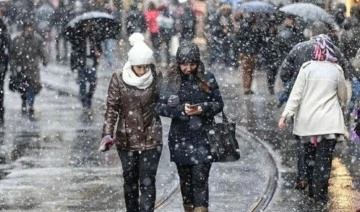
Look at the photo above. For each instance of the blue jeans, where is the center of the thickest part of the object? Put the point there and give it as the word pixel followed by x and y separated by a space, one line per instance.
pixel 87 82
pixel 28 97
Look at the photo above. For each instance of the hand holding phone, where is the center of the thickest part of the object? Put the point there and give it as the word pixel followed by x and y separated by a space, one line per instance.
pixel 194 109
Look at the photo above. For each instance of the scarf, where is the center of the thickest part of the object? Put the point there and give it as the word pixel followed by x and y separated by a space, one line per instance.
pixel 324 49
pixel 130 78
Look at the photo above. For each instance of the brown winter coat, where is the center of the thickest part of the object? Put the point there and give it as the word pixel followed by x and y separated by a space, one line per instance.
pixel 25 56
pixel 138 127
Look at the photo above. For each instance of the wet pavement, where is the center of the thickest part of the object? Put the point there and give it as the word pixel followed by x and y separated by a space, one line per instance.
pixel 52 164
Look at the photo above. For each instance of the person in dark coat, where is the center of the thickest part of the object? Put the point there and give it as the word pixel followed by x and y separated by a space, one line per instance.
pixel 59 19
pixel 85 52
pixel 187 24
pixel 290 33
pixel 190 96
pixel 132 124
pixel 135 21
pixel 248 42
pixel 271 54
pixel 302 53
pixel 26 53
pixel 222 31
pixel 166 23
pixel 4 61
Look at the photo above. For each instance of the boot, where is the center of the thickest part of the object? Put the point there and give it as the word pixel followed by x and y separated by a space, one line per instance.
pixel 32 114
pixel 201 209
pixel 2 117
pixel 188 208
pixel 23 108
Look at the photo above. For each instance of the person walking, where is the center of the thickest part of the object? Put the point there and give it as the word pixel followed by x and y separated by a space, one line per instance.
pixel 85 52
pixel 150 16
pixel 317 102
pixel 132 94
pixel 248 41
pixel 26 53
pixel 191 97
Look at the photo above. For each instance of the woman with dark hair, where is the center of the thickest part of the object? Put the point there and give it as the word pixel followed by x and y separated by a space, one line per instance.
pixel 191 97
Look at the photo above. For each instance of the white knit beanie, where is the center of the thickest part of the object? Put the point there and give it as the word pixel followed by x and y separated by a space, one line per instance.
pixel 140 53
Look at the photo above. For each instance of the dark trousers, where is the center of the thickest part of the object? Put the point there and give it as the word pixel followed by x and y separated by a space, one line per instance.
pixel 28 98
pixel 87 82
pixel 314 166
pixel 271 76
pixel 155 41
pixel 194 183
pixel 139 170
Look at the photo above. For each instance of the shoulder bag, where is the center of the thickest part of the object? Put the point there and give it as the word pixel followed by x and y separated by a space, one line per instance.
pixel 223 144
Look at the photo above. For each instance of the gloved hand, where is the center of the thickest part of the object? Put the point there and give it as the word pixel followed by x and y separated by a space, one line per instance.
pixel 173 100
pixel 106 142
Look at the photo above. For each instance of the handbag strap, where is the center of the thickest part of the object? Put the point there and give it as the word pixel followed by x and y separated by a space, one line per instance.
pixel 224 117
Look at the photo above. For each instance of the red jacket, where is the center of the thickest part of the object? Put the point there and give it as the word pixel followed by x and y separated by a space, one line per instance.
pixel 151 16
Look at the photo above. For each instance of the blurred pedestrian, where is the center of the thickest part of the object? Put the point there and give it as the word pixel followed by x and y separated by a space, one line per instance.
pixel 271 53
pixel 190 96
pixel 27 50
pixel 59 20
pixel 290 33
pixel 317 102
pixel 222 33
pixel 132 94
pixel 85 52
pixel 135 21
pixel 166 23
pixel 338 12
pixel 151 15
pixel 248 41
pixel 187 24
pixel 4 61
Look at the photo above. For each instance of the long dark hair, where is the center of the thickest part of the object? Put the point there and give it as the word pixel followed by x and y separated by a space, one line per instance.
pixel 173 78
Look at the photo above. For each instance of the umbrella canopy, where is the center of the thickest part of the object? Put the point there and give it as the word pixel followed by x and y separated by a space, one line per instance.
pixel 309 12
pixel 104 26
pixel 255 7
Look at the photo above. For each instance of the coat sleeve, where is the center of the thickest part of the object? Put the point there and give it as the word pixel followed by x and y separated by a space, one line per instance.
pixel 287 67
pixel 112 106
pixel 215 103
pixel 342 91
pixel 162 107
pixel 295 95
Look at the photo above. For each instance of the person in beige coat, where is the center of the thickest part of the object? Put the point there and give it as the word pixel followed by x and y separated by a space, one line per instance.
pixel 317 103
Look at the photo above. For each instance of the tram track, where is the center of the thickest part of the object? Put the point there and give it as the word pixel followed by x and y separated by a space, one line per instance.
pixel 264 199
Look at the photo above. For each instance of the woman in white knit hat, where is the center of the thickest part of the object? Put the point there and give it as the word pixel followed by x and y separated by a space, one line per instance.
pixel 130 123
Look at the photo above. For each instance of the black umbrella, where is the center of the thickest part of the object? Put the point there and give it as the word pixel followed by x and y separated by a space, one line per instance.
pixel 309 12
pixel 255 7
pixel 103 25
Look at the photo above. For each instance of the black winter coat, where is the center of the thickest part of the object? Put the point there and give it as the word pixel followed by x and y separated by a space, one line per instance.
pixel 188 143
pixel 79 54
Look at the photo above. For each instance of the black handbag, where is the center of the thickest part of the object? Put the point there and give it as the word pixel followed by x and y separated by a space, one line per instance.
pixel 223 144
